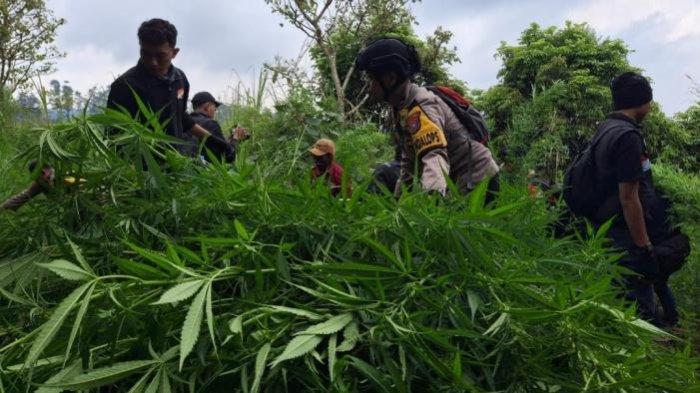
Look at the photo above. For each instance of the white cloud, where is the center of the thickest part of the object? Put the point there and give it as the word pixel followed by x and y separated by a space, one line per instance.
pixel 88 66
pixel 672 20
pixel 686 26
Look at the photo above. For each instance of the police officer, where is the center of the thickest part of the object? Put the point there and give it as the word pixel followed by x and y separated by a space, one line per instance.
pixel 161 86
pixel 205 105
pixel 431 137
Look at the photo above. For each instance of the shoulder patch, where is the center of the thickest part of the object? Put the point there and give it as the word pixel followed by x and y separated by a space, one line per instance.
pixel 413 123
pixel 425 135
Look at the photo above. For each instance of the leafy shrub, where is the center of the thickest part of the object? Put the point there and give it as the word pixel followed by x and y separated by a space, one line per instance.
pixel 159 273
pixel 682 189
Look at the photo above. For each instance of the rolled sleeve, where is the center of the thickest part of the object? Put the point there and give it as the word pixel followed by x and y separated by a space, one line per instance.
pixel 431 145
pixel 435 166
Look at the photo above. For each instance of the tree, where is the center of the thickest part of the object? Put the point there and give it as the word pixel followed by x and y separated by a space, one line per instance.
pixel 340 29
pixel 28 102
pixel 436 55
pixel 328 21
pixel 544 56
pixel 27 34
pixel 434 52
pixel 685 151
pixel 97 99
pixel 553 89
pixel 62 98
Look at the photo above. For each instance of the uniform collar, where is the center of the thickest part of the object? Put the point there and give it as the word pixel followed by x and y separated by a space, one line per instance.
pixel 410 96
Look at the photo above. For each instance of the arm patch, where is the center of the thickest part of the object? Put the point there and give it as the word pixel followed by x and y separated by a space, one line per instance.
pixel 425 135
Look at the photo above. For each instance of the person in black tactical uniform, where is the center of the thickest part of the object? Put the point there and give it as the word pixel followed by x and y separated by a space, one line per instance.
pixel 623 170
pixel 204 107
pixel 432 138
pixel 162 87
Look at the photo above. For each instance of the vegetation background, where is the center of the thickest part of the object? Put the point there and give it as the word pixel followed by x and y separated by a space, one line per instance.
pixel 160 274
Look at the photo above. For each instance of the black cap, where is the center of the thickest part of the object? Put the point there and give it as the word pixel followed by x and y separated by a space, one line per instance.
pixel 389 54
pixel 630 90
pixel 202 98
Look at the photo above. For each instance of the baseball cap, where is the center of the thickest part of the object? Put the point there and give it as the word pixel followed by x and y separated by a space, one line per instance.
pixel 323 147
pixel 204 97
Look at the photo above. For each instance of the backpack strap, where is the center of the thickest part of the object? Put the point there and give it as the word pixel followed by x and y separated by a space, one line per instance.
pixel 599 136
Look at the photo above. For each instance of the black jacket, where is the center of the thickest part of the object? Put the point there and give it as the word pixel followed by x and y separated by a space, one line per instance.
pixel 167 94
pixel 216 143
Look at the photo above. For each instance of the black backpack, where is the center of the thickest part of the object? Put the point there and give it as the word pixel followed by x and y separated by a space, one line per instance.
pixel 469 116
pixel 582 192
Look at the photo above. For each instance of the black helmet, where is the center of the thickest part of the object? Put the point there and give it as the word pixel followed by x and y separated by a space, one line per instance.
pixel 389 54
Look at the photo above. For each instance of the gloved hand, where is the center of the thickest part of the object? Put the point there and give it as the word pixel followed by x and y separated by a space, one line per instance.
pixel 646 263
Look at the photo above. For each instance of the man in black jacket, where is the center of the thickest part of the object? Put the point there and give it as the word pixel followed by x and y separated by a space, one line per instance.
pixel 161 86
pixel 205 106
pixel 624 174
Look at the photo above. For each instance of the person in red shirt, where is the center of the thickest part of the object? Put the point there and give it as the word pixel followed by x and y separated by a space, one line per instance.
pixel 326 168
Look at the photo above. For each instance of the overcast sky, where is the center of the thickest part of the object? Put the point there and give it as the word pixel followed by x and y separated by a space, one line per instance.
pixel 224 41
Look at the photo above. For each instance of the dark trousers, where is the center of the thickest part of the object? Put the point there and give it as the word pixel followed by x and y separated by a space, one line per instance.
pixel 641 290
pixel 667 301
pixel 492 190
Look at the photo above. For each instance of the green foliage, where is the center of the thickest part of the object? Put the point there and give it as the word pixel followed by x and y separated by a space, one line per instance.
pixel 340 29
pixel 8 110
pixel 554 89
pixel 13 171
pixel 381 18
pixel 300 291
pixel 684 149
pixel 498 103
pixel 544 56
pixel 362 148
pixel 285 136
pixel 682 190
pixel 27 35
pixel 554 81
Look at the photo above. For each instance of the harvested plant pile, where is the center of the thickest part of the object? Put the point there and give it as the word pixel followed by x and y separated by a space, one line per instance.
pixel 159 274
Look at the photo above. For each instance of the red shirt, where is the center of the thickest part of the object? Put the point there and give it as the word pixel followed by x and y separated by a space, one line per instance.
pixel 333 177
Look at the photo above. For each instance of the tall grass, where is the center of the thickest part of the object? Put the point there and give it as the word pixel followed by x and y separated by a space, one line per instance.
pixel 159 274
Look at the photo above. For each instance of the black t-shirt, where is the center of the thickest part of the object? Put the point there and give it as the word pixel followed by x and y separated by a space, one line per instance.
pixel 628 155
pixel 165 94
pixel 621 157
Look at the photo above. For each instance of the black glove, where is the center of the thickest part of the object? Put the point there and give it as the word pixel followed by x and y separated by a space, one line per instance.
pixel 646 262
